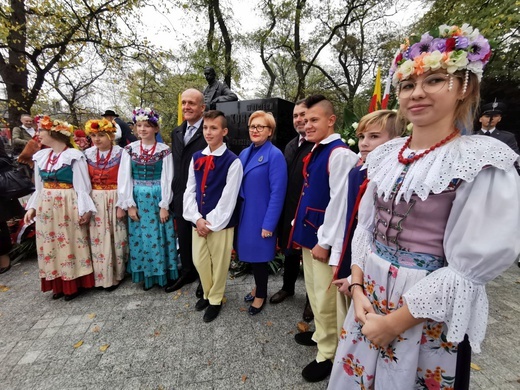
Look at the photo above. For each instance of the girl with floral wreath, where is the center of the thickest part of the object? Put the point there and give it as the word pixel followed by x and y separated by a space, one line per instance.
pixel 108 233
pixel 420 255
pixel 145 190
pixel 62 206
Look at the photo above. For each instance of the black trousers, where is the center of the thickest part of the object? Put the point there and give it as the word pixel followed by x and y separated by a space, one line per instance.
pixel 463 370
pixel 261 273
pixel 184 234
pixel 291 271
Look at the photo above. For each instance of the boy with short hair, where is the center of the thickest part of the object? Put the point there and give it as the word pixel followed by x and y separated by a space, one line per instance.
pixel 215 175
pixel 374 129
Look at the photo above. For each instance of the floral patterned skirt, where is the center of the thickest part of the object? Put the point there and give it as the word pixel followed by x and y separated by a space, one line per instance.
pixel 108 240
pixel 420 358
pixel 153 247
pixel 62 244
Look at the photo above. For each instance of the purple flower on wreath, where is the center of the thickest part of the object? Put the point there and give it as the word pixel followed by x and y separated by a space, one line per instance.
pixel 423 46
pixel 461 42
pixel 145 114
pixel 478 49
pixel 439 44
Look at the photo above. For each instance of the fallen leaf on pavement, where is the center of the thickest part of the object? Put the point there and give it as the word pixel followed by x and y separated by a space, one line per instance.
pixel 78 344
pixel 224 299
pixel 92 316
pixel 475 367
pixel 156 333
pixel 269 323
pixel 242 309
pixel 104 347
pixel 244 378
pixel 302 327
pixel 96 329
pixel 4 288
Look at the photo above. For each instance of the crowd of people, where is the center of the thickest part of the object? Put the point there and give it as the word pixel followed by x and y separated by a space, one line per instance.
pixel 398 229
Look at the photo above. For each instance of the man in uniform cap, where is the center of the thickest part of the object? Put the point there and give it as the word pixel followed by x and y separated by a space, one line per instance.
pixel 124 134
pixel 491 115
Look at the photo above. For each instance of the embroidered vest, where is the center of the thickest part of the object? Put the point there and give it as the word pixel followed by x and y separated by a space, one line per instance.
pixel 210 175
pixel 315 196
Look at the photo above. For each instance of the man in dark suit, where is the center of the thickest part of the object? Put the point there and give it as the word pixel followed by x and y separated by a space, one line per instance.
pixel 294 153
pixel 186 140
pixel 216 91
pixel 491 116
pixel 125 132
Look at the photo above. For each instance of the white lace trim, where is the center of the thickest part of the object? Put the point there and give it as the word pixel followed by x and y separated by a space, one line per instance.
pixel 463 158
pixel 91 153
pixel 361 241
pixel 85 203
pixel 66 157
pixel 446 296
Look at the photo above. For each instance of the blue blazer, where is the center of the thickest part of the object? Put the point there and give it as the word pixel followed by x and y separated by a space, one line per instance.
pixel 262 195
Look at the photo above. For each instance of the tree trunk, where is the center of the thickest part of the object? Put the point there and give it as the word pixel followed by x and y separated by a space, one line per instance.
pixel 14 72
pixel 300 91
pixel 227 42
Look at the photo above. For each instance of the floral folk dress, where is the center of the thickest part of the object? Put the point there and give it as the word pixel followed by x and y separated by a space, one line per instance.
pixel 108 234
pixel 145 181
pixel 62 195
pixel 421 241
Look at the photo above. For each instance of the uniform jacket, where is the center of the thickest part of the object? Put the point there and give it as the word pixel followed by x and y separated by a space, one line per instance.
pixel 262 196
pixel 181 161
pixel 506 137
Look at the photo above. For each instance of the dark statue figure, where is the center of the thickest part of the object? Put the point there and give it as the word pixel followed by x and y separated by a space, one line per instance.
pixel 216 91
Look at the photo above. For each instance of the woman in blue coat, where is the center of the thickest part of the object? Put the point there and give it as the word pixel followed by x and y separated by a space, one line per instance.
pixel 262 192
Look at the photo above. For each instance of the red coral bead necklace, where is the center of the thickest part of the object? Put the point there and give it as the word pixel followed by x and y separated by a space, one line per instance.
pixel 407 161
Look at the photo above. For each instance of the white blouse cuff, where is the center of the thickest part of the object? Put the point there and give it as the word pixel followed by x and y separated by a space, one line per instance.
pixel 126 204
pixel 85 203
pixel 447 296
pixel 164 205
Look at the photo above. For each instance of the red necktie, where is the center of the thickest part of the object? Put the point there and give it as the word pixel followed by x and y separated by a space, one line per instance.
pixel 209 164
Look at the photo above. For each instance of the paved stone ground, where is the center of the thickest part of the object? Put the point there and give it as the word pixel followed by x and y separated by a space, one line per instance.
pixel 158 341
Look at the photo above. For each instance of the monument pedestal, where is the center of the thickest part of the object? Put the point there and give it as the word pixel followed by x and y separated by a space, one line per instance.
pixel 238 113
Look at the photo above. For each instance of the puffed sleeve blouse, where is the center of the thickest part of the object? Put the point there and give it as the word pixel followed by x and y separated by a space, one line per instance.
pixel 481 236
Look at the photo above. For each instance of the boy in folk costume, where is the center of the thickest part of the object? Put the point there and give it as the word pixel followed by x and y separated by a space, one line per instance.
pixel 318 222
pixel 214 180
pixel 374 129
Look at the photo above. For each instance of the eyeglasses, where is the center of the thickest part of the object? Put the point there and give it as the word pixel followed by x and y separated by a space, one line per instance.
pixel 430 84
pixel 258 128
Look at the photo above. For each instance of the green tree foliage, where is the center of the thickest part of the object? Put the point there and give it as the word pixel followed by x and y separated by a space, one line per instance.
pixel 157 86
pixel 40 36
pixel 497 20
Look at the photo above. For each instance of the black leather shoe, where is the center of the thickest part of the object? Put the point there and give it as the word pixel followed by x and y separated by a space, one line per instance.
pixel 199 293
pixel 280 296
pixel 57 296
pixel 211 313
pixel 71 296
pixel 179 283
pixel 201 304
pixel 3 270
pixel 308 315
pixel 147 288
pixel 249 298
pixel 255 310
pixel 305 338
pixel 113 287
pixel 316 372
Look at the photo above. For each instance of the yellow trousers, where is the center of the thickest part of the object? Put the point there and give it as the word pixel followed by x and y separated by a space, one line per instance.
pixel 211 257
pixel 322 297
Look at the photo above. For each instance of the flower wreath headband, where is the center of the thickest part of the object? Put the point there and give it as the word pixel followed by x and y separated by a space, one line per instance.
pixel 46 123
pixel 146 114
pixel 99 126
pixel 449 47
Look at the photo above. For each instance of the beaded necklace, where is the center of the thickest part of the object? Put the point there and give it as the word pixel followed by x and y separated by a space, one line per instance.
pixel 106 160
pixel 406 161
pixel 147 154
pixel 53 160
